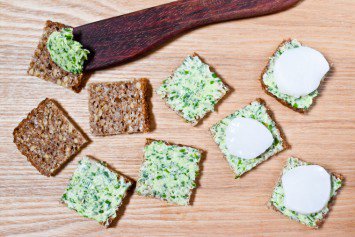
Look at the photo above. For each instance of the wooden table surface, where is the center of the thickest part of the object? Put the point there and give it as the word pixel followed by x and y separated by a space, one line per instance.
pixel 29 202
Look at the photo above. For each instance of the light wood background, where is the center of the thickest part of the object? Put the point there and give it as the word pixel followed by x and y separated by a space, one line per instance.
pixel 223 206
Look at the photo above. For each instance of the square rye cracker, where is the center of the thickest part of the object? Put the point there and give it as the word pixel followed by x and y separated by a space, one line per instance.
pixel 169 171
pixel 119 107
pixel 255 110
pixel 48 137
pixel 269 85
pixel 193 90
pixel 313 220
pixel 96 191
pixel 42 66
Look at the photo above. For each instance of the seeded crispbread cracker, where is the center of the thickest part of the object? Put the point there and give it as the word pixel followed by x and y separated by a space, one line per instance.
pixel 119 107
pixel 169 171
pixel 96 191
pixel 302 104
pixel 255 110
pixel 314 220
pixel 42 66
pixel 48 137
pixel 193 90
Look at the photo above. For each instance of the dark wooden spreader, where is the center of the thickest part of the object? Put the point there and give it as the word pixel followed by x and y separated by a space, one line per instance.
pixel 119 39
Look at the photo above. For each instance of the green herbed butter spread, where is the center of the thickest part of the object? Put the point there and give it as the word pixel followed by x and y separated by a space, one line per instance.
pixel 256 111
pixel 193 90
pixel 303 102
pixel 66 52
pixel 95 192
pixel 310 219
pixel 168 172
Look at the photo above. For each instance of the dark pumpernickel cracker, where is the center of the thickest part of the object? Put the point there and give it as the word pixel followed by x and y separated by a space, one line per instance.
pixel 119 107
pixel 42 66
pixel 48 137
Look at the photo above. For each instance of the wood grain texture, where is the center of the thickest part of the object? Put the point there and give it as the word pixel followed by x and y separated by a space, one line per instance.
pixel 29 202
pixel 118 39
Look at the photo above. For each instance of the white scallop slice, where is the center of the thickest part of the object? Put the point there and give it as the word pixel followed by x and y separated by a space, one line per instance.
pixel 307 189
pixel 299 71
pixel 247 138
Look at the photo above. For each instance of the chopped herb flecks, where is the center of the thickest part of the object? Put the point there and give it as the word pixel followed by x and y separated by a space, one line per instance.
pixel 66 52
pixel 193 90
pixel 168 172
pixel 95 192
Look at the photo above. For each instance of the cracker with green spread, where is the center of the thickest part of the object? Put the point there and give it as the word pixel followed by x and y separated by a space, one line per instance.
pixel 258 111
pixel 168 171
pixel 96 191
pixel 193 90
pixel 313 220
pixel 301 104
pixel 59 58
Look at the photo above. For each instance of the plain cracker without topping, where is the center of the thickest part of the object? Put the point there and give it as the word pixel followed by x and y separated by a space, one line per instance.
pixel 48 137
pixel 119 107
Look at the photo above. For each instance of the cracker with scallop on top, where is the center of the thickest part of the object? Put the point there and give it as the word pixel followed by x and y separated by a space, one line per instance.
pixel 258 112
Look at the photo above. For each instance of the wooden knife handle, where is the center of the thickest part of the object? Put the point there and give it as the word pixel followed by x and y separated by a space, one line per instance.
pixel 121 38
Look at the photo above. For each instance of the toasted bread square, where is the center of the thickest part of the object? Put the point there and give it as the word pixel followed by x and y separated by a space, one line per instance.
pixel 168 171
pixel 96 191
pixel 48 137
pixel 119 107
pixel 301 104
pixel 42 66
pixel 193 90
pixel 314 220
pixel 256 110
